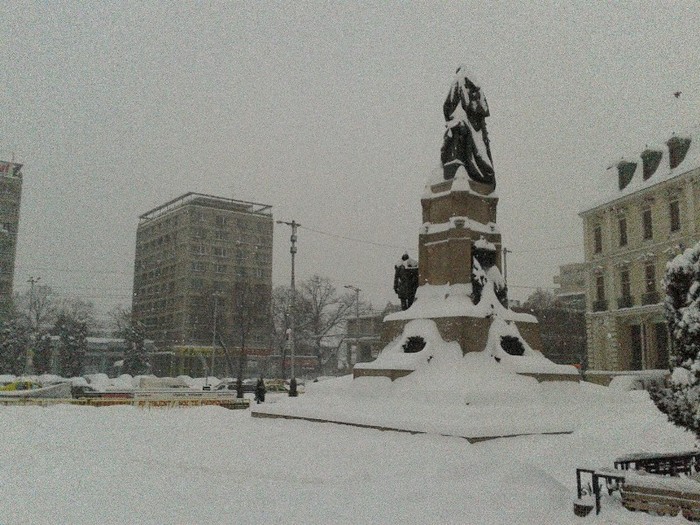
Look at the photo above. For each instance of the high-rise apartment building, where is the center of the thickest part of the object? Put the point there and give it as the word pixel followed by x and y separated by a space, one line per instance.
pixel 203 265
pixel 10 198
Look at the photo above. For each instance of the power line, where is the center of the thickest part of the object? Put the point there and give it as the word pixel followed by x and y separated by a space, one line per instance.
pixel 551 249
pixel 362 241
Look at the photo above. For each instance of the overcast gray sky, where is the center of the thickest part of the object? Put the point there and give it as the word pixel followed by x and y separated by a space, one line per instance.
pixel 329 111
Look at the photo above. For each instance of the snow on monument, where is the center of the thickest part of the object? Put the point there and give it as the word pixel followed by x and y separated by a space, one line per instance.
pixel 461 290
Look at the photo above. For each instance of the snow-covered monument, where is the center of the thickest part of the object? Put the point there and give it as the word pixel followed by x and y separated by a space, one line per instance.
pixel 461 289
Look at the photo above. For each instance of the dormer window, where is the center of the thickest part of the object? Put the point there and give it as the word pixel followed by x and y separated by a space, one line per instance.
pixel 677 150
pixel 625 172
pixel 650 162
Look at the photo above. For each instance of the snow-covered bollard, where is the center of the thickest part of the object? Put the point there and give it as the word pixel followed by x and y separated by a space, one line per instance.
pixel 583 506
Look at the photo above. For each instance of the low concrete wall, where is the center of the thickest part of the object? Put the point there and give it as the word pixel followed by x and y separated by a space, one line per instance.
pixel 392 374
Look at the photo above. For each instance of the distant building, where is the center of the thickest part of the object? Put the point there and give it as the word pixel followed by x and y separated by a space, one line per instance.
pixel 200 258
pixel 649 213
pixel 572 286
pixel 104 355
pixel 363 335
pixel 10 198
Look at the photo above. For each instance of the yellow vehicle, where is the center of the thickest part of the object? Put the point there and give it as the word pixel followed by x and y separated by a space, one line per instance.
pixel 19 385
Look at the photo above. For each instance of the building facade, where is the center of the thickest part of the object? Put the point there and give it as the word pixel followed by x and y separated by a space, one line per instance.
pixel 648 215
pixel 363 339
pixel 203 284
pixel 10 198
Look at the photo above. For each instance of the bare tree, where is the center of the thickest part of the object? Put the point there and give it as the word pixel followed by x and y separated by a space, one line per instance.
pixel 76 308
pixel 320 313
pixel 40 306
pixel 119 319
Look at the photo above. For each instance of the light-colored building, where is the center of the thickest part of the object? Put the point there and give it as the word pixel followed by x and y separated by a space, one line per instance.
pixel 649 212
pixel 10 198
pixel 200 258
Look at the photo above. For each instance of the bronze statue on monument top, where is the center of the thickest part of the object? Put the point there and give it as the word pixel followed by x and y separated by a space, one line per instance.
pixel 466 140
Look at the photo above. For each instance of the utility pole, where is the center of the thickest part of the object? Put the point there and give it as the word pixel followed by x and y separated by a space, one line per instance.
pixel 293 250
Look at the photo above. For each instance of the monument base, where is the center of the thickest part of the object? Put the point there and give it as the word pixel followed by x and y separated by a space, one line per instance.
pixel 444 316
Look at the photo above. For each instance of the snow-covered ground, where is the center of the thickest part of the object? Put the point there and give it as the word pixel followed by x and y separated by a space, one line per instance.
pixel 86 465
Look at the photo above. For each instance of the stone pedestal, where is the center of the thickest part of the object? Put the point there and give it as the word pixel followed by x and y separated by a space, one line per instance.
pixel 456 214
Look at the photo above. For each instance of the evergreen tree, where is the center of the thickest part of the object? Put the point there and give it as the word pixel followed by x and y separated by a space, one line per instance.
pixel 72 335
pixel 43 350
pixel 14 342
pixel 679 400
pixel 135 358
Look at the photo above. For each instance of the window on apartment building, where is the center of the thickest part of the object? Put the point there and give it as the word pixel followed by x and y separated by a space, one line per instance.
pixel 625 288
pixel 674 212
pixel 650 277
pixel 598 239
pixel 221 235
pixel 198 266
pixel 219 251
pixel 199 249
pixel 647 229
pixel 600 288
pixel 220 221
pixel 220 268
pixel 622 224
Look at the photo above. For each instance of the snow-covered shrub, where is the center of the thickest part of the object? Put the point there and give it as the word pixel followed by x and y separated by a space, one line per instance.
pixel 680 398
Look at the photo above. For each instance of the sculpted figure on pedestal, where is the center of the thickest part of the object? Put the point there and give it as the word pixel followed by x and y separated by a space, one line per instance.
pixel 466 140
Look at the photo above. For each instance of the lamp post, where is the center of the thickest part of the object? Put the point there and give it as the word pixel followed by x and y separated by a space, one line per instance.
pixel 292 250
pixel 357 318
pixel 33 309
pixel 357 298
pixel 215 295
pixel 506 251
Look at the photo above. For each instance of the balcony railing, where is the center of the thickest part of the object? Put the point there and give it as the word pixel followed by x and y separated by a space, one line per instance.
pixel 626 301
pixel 650 298
pixel 600 306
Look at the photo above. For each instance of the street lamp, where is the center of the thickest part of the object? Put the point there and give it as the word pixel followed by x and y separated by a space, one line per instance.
pixel 357 318
pixel 357 298
pixel 215 296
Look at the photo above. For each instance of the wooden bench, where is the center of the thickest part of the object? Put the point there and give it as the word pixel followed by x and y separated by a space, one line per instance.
pixel 669 464
pixel 661 495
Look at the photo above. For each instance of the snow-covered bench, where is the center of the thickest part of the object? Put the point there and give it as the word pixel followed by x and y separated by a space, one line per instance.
pixel 662 495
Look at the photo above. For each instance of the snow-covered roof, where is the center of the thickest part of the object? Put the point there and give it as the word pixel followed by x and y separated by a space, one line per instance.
pixel 609 185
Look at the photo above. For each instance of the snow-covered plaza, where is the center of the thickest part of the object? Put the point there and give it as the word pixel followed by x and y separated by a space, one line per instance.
pixel 111 465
